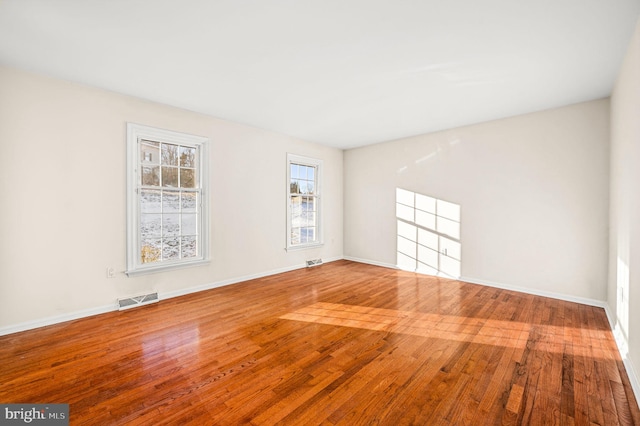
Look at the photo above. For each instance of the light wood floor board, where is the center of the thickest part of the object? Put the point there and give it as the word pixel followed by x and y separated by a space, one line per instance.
pixel 339 344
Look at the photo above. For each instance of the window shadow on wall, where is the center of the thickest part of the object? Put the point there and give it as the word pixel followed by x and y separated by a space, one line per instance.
pixel 428 234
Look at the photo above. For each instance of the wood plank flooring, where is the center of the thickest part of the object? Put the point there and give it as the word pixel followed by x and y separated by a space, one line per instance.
pixel 339 344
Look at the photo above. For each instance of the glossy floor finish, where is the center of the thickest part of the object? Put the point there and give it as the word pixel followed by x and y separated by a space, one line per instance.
pixel 344 343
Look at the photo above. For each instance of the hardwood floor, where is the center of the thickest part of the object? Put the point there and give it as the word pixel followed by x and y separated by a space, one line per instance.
pixel 340 344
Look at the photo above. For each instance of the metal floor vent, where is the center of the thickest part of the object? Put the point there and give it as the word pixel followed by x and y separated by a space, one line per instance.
pixel 314 262
pixel 132 302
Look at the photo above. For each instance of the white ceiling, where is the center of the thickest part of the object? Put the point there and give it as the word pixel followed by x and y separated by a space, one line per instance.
pixel 339 72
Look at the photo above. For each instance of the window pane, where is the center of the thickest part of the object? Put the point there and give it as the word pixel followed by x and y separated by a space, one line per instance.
pixel 187 178
pixel 308 204
pixel 170 202
pixel 303 215
pixel 150 176
pixel 149 152
pixel 302 185
pixel 189 224
pixel 307 234
pixel 171 248
pixel 187 157
pixel 150 201
pixel 150 225
pixel 165 218
pixel 150 250
pixel 296 211
pixel 302 172
pixel 170 177
pixel 295 236
pixel 189 246
pixel 170 224
pixel 169 155
pixel 189 201
pixel 308 219
pixel 296 204
pixel 296 219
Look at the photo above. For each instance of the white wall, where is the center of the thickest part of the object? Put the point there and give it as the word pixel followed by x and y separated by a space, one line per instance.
pixel 624 256
pixel 62 183
pixel 533 193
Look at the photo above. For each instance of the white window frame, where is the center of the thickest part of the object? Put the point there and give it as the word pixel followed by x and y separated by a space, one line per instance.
pixel 312 162
pixel 135 134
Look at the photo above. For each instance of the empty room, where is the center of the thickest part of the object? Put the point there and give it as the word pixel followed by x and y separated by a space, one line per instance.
pixel 319 212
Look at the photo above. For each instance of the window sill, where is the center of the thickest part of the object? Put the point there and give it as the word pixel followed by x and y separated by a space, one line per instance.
pixel 143 270
pixel 304 246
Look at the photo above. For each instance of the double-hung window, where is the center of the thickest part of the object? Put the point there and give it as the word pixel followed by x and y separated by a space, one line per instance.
pixel 167 223
pixel 303 202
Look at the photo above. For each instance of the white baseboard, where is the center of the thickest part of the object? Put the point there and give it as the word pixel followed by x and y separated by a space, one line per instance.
pixel 543 293
pixel 56 319
pixel 623 348
pixel 553 295
pixel 370 262
pixel 235 280
pixel 568 298
pixel 620 339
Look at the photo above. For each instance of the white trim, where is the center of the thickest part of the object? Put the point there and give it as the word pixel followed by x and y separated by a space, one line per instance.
pixel 631 373
pixel 303 246
pixel 136 132
pixel 223 283
pixel 318 164
pixel 553 295
pixel 543 293
pixel 236 280
pixel 620 340
pixel 152 269
pixel 371 262
pixel 57 319
pixel 623 348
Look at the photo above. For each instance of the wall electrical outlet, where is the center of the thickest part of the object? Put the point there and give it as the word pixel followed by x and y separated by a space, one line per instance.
pixel 111 273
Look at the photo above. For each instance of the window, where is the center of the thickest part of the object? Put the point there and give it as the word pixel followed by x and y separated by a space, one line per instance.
pixel 167 224
pixel 303 202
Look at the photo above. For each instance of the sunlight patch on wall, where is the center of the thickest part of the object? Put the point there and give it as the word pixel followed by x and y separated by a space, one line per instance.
pixel 428 234
pixel 622 303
